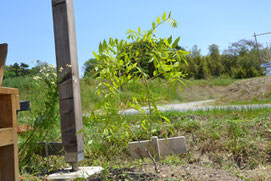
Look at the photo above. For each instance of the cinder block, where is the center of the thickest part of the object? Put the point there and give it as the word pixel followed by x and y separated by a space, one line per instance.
pixel 175 145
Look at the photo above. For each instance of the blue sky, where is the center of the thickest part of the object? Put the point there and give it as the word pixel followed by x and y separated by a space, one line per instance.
pixel 26 25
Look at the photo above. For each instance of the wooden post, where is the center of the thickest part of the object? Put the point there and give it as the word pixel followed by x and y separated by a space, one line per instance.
pixel 3 57
pixel 69 85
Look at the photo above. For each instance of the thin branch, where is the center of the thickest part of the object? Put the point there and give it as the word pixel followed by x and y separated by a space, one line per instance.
pixel 153 160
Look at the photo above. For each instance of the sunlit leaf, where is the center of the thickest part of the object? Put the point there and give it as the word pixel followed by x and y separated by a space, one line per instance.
pixel 158 20
pixel 175 43
pixel 96 56
pixel 153 25
pixel 169 15
pixel 166 119
pixel 164 16
pixel 169 40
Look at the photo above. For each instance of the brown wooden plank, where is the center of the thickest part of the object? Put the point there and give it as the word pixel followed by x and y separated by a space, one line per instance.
pixel 7 167
pixel 6 116
pixel 3 57
pixel 6 90
pixel 18 105
pixel 14 101
pixel 69 86
pixel 6 136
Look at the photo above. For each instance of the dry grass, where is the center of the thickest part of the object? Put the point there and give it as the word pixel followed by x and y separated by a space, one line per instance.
pixel 248 91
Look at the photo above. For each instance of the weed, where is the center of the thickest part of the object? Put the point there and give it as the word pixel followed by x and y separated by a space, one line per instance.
pixel 44 121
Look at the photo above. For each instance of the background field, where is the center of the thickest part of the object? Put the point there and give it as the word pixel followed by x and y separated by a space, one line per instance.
pixel 235 144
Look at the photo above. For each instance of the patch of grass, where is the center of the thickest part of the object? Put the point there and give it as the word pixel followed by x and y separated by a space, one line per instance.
pixel 88 96
pixel 210 82
pixel 24 84
pixel 226 136
pixel 162 92
pixel 253 101
pixel 226 139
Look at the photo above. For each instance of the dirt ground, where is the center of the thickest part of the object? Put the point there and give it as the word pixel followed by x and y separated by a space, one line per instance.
pixel 249 89
pixel 198 93
pixel 167 172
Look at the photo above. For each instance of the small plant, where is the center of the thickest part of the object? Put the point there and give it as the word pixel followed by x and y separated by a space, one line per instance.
pixel 43 119
pixel 140 58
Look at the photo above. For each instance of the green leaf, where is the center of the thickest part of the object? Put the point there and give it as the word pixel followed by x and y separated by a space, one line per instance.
pixel 111 42
pixel 96 56
pixel 158 20
pixel 153 25
pixel 166 42
pixel 174 45
pixel 100 47
pixel 121 62
pixel 180 87
pixel 149 38
pixel 181 82
pixel 139 30
pixel 169 15
pixel 164 16
pixel 169 40
pixel 166 119
pixel 104 44
pixel 145 37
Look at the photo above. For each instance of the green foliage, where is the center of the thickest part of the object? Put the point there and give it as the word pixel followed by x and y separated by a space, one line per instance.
pixel 240 139
pixel 89 67
pixel 231 140
pixel 18 82
pixel 43 119
pixel 16 70
pixel 162 93
pixel 240 60
pixel 121 62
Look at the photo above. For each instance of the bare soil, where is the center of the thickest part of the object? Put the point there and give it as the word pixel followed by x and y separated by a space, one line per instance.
pixel 167 172
pixel 244 90
pixel 198 93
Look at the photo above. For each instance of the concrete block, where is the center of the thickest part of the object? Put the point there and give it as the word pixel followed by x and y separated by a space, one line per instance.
pixel 175 145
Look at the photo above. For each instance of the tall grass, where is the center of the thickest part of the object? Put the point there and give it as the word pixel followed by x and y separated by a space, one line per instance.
pixel 230 139
pixel 209 82
pixel 24 84
pixel 162 92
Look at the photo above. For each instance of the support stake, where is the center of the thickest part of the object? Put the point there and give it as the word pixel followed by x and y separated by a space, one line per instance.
pixel 69 83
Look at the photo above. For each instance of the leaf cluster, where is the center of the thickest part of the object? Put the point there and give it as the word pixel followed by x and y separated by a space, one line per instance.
pixel 126 61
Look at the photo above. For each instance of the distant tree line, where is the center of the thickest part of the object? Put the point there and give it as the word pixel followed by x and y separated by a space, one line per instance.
pixel 23 69
pixel 239 60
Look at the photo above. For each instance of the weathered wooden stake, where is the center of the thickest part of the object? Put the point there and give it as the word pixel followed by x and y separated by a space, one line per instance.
pixel 3 57
pixel 69 85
